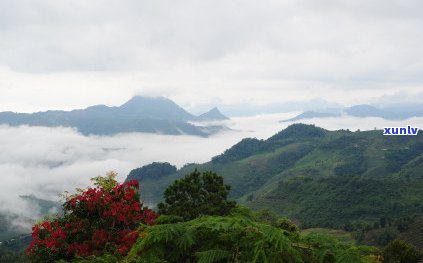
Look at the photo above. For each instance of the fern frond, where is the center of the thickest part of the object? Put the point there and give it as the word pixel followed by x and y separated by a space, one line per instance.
pixel 350 256
pixel 276 238
pixel 213 255
pixel 187 239
pixel 164 233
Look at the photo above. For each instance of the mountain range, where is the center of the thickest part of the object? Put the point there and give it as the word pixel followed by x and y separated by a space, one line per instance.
pixel 388 112
pixel 139 114
pixel 163 116
pixel 249 109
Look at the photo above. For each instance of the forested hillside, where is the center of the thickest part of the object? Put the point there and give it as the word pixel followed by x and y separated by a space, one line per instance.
pixel 320 178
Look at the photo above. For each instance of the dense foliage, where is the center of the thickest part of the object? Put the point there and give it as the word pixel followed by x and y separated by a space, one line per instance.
pixel 107 224
pixel 96 220
pixel 323 199
pixel 398 157
pixel 195 195
pixel 251 146
pixel 298 131
pixel 7 256
pixel 239 238
pixel 398 251
pixel 246 147
pixel 154 170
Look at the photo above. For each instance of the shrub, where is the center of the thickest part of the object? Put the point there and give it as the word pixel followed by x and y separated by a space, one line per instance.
pixel 101 219
pixel 398 251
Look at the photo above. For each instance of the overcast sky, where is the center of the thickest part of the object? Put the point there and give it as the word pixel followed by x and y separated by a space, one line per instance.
pixel 74 53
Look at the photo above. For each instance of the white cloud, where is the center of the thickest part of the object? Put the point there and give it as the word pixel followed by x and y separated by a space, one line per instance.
pixel 400 97
pixel 67 54
pixel 47 161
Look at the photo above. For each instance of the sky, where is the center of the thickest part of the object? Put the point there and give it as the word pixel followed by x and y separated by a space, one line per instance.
pixel 75 53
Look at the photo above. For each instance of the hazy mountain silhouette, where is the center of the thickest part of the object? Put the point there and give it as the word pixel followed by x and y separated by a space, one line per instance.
pixel 388 112
pixel 212 115
pixel 312 114
pixel 139 114
pixel 248 109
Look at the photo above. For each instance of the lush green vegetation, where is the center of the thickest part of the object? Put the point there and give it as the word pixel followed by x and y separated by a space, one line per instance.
pixel 400 251
pixel 399 157
pixel 344 188
pixel 197 194
pixel 154 170
pixel 413 232
pixel 239 236
pixel 336 201
pixel 241 150
pixel 319 178
pixel 8 256
pixel 328 161
pixel 252 146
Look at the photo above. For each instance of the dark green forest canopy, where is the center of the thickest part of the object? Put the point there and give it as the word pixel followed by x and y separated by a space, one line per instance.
pixel 154 171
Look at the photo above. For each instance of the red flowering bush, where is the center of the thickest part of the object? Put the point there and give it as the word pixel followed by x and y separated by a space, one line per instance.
pixel 102 219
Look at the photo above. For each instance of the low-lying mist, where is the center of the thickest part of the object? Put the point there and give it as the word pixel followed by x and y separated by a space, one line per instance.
pixel 47 161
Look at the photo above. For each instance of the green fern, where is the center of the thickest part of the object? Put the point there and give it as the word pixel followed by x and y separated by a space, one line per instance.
pixel 349 256
pixel 237 238
pixel 187 239
pixel 213 255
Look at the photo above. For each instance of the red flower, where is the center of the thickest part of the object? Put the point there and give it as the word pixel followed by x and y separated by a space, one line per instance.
pixel 93 219
pixel 123 249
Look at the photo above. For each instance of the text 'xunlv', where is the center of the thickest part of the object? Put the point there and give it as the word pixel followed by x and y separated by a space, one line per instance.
pixel 409 130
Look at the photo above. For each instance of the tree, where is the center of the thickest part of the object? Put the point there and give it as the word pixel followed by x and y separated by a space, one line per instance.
pixel 398 251
pixel 101 219
pixel 195 195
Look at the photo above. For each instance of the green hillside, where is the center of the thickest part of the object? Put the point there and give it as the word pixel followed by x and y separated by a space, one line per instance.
pixel 318 177
pixel 414 233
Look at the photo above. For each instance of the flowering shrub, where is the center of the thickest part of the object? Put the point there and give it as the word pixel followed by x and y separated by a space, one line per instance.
pixel 98 220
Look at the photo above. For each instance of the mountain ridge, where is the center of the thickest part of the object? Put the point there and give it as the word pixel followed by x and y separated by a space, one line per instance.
pixel 388 112
pixel 139 114
pixel 213 115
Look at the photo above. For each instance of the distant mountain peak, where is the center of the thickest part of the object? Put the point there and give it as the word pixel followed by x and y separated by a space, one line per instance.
pixel 156 108
pixel 312 114
pixel 212 115
pixel 142 100
pixel 365 110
